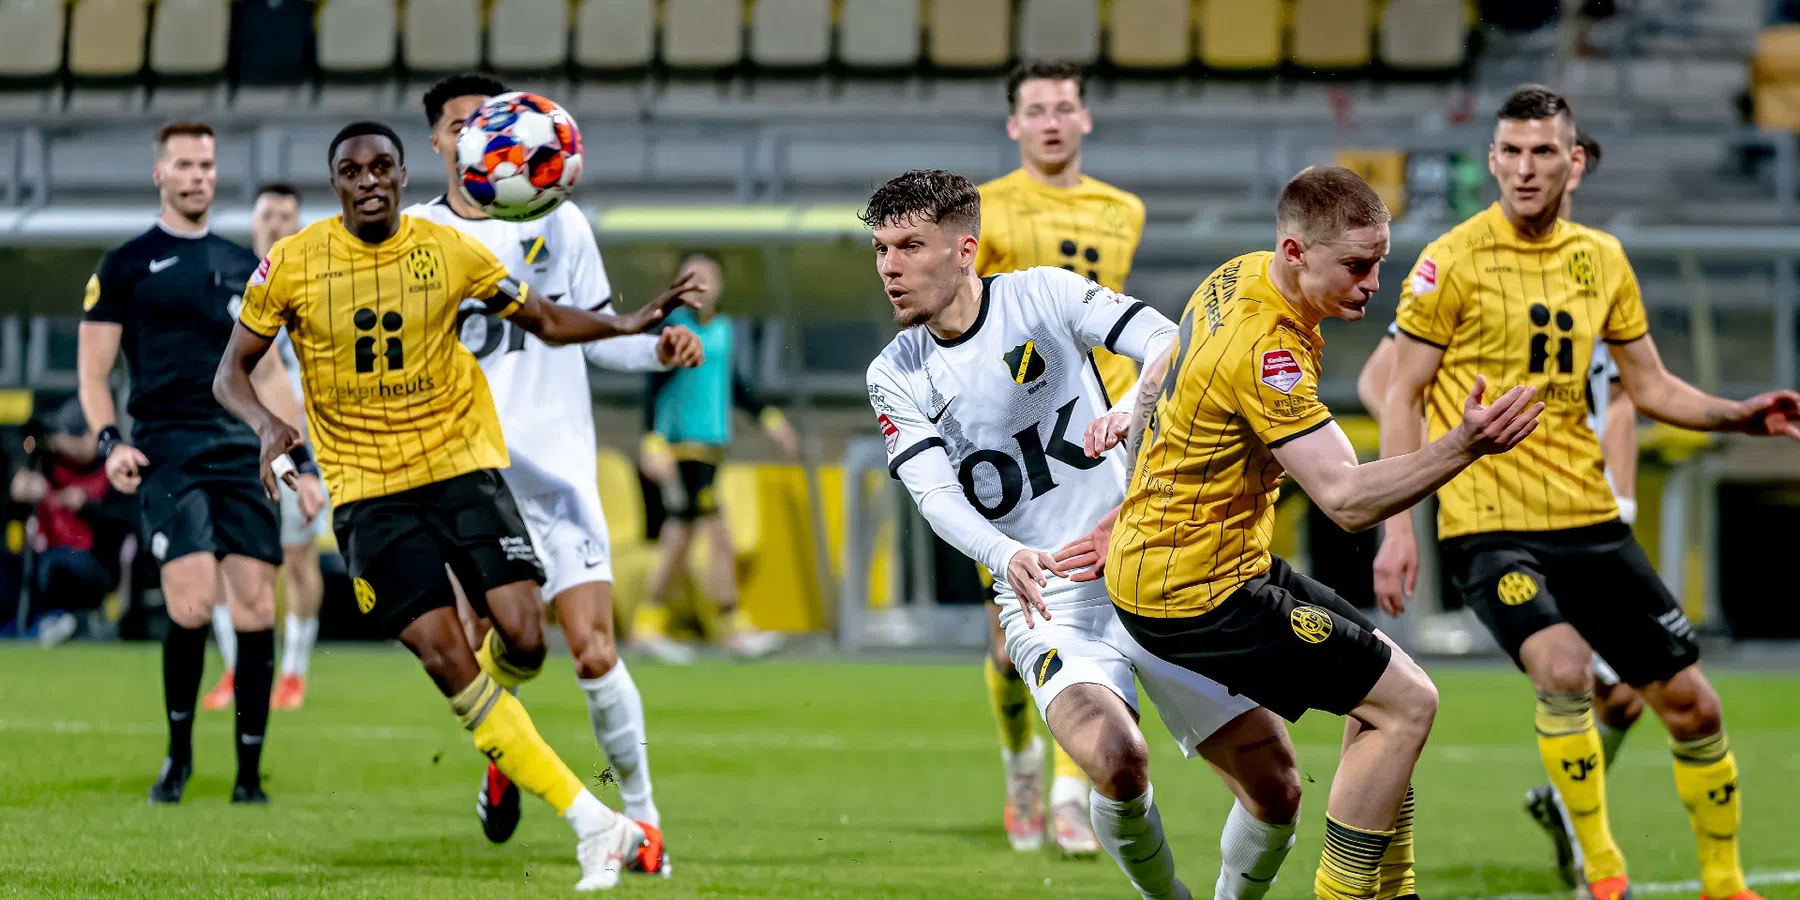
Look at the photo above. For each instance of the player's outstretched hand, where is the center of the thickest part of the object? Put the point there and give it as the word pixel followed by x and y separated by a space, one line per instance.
pixel 312 496
pixel 680 293
pixel 1774 413
pixel 1026 573
pixel 1396 569
pixel 277 438
pixel 1084 558
pixel 1486 430
pixel 679 348
pixel 122 468
pixel 1105 433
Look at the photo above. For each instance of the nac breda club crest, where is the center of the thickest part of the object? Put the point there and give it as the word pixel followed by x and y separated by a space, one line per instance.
pixel 1024 363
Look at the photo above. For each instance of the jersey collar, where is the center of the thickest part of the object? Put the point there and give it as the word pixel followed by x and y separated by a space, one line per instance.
pixel 443 200
pixel 399 236
pixel 183 235
pixel 980 317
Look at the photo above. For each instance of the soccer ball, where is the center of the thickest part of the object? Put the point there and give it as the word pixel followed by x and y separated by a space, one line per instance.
pixel 519 156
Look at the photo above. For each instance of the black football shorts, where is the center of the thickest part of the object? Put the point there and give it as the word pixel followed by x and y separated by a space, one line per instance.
pixel 396 547
pixel 1281 639
pixel 1595 578
pixel 692 494
pixel 207 499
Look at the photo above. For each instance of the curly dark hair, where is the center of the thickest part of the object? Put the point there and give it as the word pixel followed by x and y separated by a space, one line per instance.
pixel 926 195
pixel 467 84
pixel 1051 70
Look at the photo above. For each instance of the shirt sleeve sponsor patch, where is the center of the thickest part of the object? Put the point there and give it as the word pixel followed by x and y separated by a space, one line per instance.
pixel 890 433
pixel 1280 370
pixel 1425 277
pixel 261 276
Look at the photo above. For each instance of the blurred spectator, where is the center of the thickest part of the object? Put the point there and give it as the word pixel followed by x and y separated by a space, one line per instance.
pixel 81 524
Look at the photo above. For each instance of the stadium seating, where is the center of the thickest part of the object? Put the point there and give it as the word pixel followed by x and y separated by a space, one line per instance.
pixel 1150 34
pixel 878 34
pixel 702 34
pixel 970 34
pixel 1424 35
pixel 615 34
pixel 106 38
pixel 528 35
pixel 356 36
pixel 442 35
pixel 787 34
pixel 272 43
pixel 1237 35
pixel 1059 29
pixel 1332 34
pixel 31 39
pixel 190 37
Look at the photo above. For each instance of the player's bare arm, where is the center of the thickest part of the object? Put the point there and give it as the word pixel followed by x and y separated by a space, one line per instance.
pixel 96 350
pixel 1114 427
pixel 235 390
pixel 1372 381
pixel 1666 398
pixel 1085 557
pixel 1618 442
pixel 1412 368
pixel 1358 497
pixel 557 324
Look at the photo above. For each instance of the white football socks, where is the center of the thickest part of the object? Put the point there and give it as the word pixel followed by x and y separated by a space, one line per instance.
pixel 1067 789
pixel 616 710
pixel 225 634
pixel 587 815
pixel 1250 853
pixel 297 640
pixel 1132 833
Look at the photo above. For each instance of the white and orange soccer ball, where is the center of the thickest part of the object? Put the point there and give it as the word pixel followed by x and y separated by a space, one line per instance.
pixel 519 156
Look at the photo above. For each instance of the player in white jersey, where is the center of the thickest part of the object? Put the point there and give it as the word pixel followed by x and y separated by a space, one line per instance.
pixel 1613 418
pixel 305 510
pixel 547 414
pixel 995 419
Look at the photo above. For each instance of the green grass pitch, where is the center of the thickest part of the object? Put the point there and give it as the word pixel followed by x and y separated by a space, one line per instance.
pixel 789 779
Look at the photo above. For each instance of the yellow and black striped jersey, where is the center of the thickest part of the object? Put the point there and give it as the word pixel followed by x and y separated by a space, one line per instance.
pixel 1200 509
pixel 1092 228
pixel 1522 311
pixel 393 399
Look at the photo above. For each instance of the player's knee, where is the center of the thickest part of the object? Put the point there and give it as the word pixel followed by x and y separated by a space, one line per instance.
pixel 1690 707
pixel 1564 674
pixel 451 667
pixel 1416 707
pixel 1124 765
pixel 1274 796
pixel 1618 706
pixel 594 651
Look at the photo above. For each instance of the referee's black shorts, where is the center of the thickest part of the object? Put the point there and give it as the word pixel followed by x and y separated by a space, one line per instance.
pixel 205 495
pixel 1595 578
pixel 396 547
pixel 1281 639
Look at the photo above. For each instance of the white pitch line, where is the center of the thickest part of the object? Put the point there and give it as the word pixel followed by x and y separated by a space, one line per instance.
pixel 1757 879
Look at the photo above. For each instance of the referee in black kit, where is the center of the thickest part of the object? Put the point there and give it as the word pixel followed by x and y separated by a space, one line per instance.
pixel 169 298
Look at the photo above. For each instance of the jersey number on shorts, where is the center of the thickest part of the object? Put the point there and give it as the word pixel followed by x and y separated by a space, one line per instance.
pixel 1037 464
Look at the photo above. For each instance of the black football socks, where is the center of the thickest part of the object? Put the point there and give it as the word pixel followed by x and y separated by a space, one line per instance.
pixel 255 679
pixel 184 659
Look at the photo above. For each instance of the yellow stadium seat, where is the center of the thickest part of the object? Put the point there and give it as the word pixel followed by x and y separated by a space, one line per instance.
pixel 702 34
pixel 1060 29
pixel 356 36
pixel 106 38
pixel 442 35
pixel 790 33
pixel 1241 34
pixel 970 34
pixel 1332 34
pixel 31 38
pixel 528 35
pixel 1424 35
pixel 614 34
pixel 1150 34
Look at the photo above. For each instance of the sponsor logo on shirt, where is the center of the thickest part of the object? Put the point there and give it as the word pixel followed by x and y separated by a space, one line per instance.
pixel 889 431
pixel 1280 370
pixel 1425 278
pixel 260 277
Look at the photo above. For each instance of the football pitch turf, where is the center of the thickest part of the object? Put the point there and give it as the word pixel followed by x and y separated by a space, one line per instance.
pixel 802 778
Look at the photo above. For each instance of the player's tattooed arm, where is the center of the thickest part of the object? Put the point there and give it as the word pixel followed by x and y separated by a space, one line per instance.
pixel 1143 410
pixel 1666 398
pixel 557 324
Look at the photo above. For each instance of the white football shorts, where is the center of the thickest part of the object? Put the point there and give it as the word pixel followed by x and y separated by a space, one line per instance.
pixel 568 529
pixel 294 528
pixel 1085 644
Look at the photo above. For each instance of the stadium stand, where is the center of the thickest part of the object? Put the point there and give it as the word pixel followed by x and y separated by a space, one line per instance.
pixel 1332 34
pixel 356 37
pixel 31 40
pixel 878 34
pixel 1150 34
pixel 1424 35
pixel 1239 35
pixel 528 35
pixel 702 34
pixel 790 34
pixel 1059 29
pixel 441 35
pixel 190 39
pixel 970 35
pixel 614 35
pixel 106 38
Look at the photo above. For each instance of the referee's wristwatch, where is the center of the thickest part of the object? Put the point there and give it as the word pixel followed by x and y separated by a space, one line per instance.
pixel 109 438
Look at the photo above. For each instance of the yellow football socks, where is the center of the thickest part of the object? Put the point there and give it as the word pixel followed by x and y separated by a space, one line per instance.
pixel 1350 867
pixel 1064 766
pixel 504 734
pixel 1010 702
pixel 1706 780
pixel 492 657
pixel 1572 754
pixel 1397 879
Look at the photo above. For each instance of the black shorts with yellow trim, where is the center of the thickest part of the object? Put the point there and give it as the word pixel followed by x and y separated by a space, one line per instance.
pixel 396 547
pixel 693 493
pixel 1595 578
pixel 1281 639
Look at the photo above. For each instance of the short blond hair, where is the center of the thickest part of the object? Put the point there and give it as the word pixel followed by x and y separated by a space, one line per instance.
pixel 1323 202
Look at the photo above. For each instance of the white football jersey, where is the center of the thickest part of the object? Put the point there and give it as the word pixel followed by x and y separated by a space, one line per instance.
pixel 1009 401
pixel 541 391
pixel 1602 371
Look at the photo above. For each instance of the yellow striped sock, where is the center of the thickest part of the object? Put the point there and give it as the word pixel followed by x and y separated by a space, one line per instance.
pixel 504 734
pixel 1350 867
pixel 492 657
pixel 1397 878
pixel 1572 754
pixel 1706 779
pixel 1009 701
